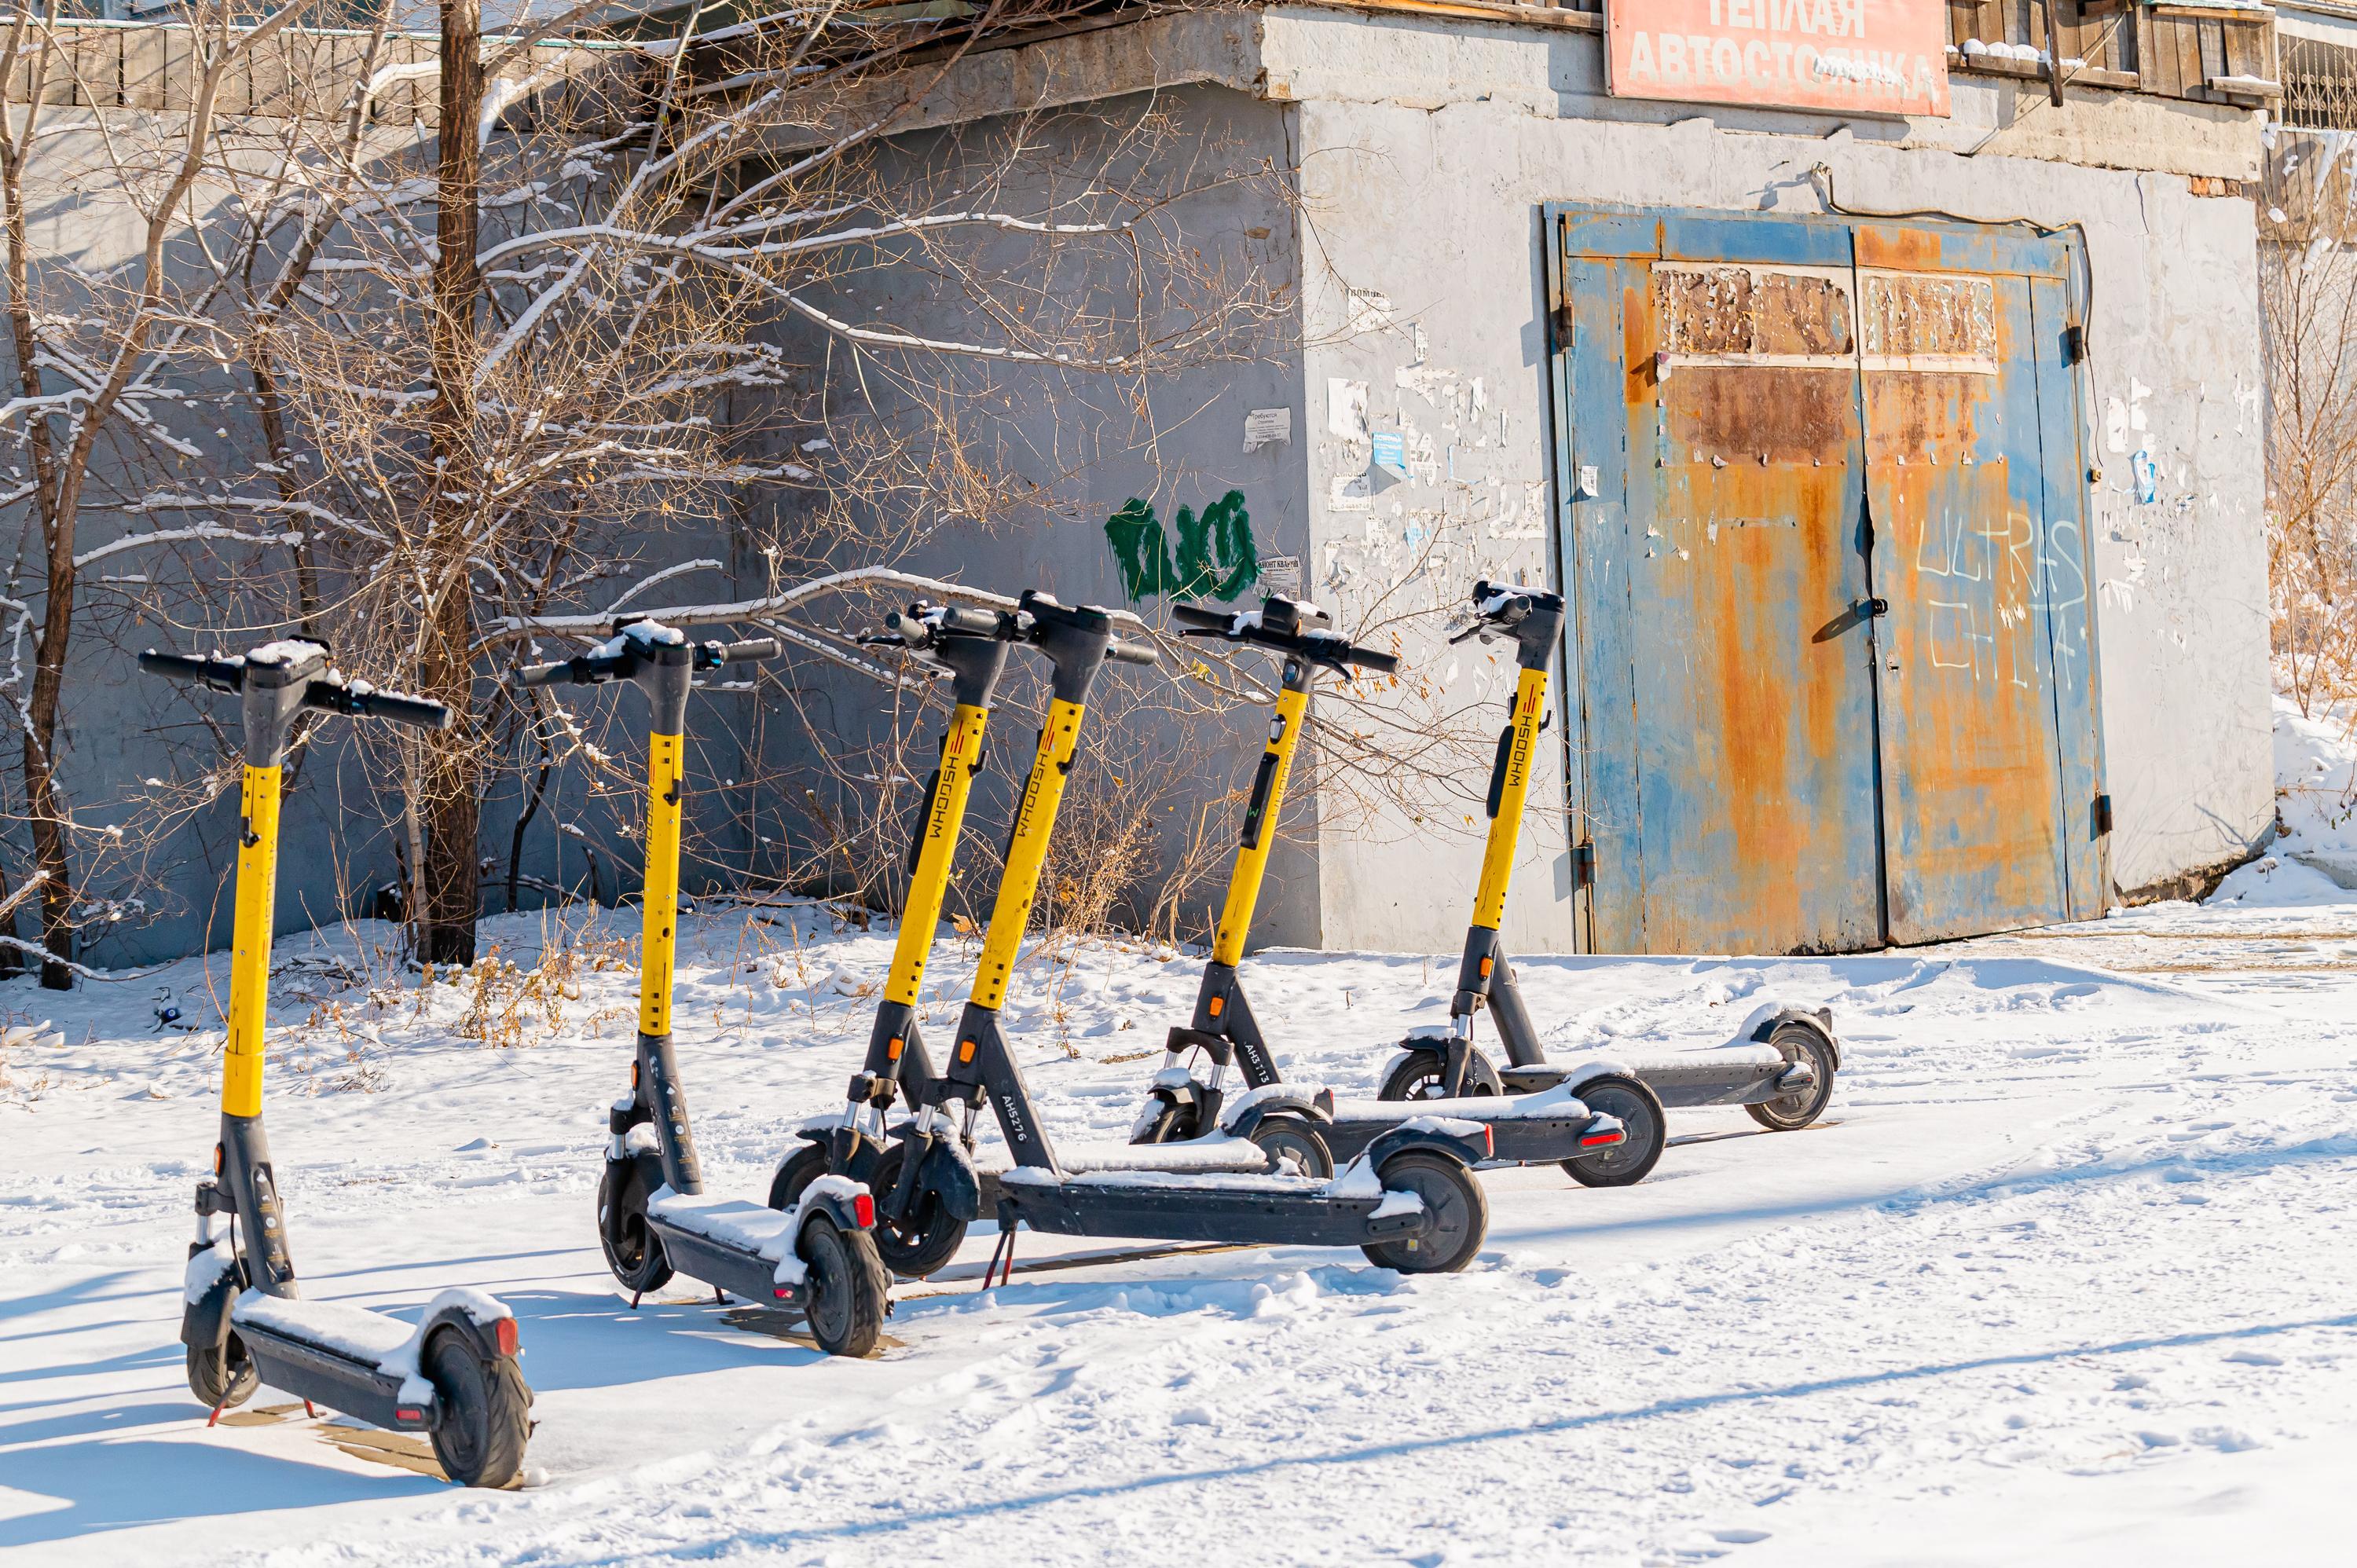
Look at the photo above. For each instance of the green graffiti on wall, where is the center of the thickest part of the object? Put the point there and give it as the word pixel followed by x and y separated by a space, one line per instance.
pixel 1216 557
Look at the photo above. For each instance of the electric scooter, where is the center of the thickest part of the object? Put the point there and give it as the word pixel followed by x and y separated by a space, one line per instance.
pixel 925 1200
pixel 1559 1126
pixel 453 1374
pixel 1780 1068
pixel 1409 1201
pixel 654 1217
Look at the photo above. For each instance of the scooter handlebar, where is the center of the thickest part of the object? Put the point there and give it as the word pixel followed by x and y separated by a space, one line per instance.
pixel 752 650
pixel 220 674
pixel 1323 646
pixel 1122 652
pixel 391 706
pixel 581 670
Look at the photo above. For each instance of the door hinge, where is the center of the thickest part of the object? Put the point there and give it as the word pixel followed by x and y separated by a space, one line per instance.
pixel 1565 323
pixel 2074 344
pixel 1583 864
pixel 2103 815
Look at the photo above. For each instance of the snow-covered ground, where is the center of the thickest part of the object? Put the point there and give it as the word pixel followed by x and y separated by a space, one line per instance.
pixel 2068 1273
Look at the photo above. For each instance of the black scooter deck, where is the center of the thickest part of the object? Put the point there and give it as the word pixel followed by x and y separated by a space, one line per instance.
pixel 1286 1211
pixel 1680 1085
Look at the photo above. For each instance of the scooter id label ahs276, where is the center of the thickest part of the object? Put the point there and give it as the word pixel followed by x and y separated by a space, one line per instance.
pixel 453 1375
pixel 654 1218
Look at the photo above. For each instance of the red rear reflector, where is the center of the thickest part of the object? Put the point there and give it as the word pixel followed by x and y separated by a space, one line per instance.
pixel 1217 1003
pixel 1596 1140
pixel 403 1412
pixel 504 1333
pixel 1488 1140
pixel 862 1208
pixel 782 1294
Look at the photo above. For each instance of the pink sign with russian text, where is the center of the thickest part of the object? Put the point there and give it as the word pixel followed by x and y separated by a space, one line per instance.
pixel 1869 57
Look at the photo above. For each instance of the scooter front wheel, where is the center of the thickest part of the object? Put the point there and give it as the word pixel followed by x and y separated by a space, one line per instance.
pixel 1171 1123
pixel 796 1172
pixel 632 1248
pixel 1423 1075
pixel 847 1287
pixel 923 1239
pixel 1632 1159
pixel 221 1377
pixel 485 1412
pixel 1293 1147
pixel 1451 1193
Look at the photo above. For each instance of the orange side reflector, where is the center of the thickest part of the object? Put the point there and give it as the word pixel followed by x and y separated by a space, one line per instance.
pixel 220 1159
pixel 1217 1003
pixel 965 1050
pixel 893 1050
pixel 1485 967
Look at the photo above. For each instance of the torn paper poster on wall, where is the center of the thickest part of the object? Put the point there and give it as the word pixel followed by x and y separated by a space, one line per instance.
pixel 1266 427
pixel 1346 408
pixel 1281 574
pixel 1390 452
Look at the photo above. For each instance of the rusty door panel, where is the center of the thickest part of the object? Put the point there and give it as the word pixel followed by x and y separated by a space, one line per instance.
pixel 1726 727
pixel 2070 607
pixel 1971 785
pixel 1609 355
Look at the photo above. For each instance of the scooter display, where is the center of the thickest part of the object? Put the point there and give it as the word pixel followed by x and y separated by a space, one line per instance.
pixel 1410 1200
pixel 654 1218
pixel 1780 1069
pixel 453 1374
pixel 926 1200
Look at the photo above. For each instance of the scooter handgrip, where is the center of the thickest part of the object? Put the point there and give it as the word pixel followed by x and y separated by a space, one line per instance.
pixel 416 711
pixel 964 621
pixel 1202 616
pixel 752 650
pixel 1367 659
pixel 540 674
pixel 1130 653
pixel 220 674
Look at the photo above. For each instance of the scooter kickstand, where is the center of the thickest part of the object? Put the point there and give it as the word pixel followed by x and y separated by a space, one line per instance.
pixel 213 1419
pixel 310 1409
pixel 1005 1248
pixel 634 1300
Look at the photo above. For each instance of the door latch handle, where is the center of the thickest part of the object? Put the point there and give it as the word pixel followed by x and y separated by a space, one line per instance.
pixel 1869 607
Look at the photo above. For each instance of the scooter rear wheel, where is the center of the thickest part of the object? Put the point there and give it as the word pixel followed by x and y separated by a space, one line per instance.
pixel 847 1287
pixel 1632 1159
pixel 220 1375
pixel 632 1248
pixel 1452 1194
pixel 927 1237
pixel 1419 1077
pixel 486 1412
pixel 1798 1042
pixel 1293 1147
